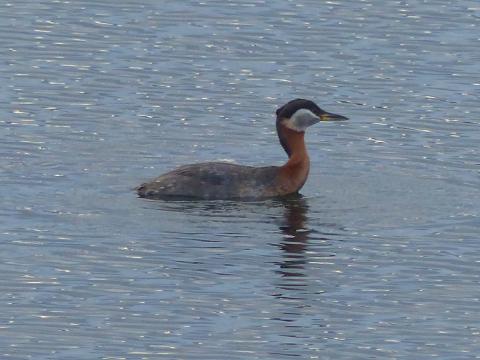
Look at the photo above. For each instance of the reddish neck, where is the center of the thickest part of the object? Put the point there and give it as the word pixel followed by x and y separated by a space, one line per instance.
pixel 295 171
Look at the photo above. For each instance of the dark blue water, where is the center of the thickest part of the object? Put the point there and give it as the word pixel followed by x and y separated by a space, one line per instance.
pixel 379 258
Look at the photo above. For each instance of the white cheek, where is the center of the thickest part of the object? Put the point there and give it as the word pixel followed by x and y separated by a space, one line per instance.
pixel 291 125
pixel 301 119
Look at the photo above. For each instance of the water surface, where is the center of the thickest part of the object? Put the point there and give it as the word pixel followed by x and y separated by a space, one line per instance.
pixel 378 259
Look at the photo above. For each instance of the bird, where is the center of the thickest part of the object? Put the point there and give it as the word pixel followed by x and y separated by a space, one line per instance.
pixel 227 181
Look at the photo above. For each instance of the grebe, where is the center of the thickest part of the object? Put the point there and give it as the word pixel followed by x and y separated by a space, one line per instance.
pixel 218 180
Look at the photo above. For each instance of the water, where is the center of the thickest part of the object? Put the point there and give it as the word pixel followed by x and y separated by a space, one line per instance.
pixel 379 259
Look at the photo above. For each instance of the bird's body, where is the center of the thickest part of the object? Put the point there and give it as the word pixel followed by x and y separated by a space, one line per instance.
pixel 213 180
pixel 218 180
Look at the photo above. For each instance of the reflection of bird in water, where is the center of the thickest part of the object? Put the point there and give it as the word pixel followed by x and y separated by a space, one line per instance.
pixel 216 180
pixel 294 243
pixel 297 238
pixel 295 235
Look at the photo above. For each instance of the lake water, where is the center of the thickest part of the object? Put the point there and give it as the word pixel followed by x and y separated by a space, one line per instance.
pixel 380 258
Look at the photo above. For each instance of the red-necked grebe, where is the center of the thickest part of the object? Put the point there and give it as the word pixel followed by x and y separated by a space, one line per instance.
pixel 218 180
